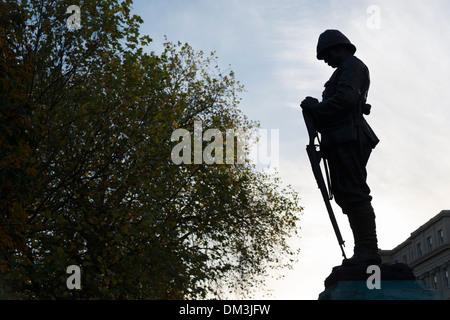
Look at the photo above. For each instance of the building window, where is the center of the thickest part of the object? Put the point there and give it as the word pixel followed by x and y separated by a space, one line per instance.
pixel 429 244
pixel 441 236
pixel 419 250
pixel 445 276
pixel 434 281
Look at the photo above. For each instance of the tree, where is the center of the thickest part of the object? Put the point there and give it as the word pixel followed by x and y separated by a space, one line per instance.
pixel 105 194
pixel 16 172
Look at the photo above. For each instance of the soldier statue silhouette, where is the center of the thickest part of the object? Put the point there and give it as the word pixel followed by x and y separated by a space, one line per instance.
pixel 347 140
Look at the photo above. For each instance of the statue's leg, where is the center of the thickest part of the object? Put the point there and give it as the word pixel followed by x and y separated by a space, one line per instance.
pixel 348 178
pixel 362 223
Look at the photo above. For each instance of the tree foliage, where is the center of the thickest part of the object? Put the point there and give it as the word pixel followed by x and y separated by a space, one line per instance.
pixel 86 172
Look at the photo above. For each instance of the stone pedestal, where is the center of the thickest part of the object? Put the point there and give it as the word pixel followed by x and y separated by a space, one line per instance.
pixel 393 282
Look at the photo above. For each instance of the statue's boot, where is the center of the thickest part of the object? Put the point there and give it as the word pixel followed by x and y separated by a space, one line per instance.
pixel 362 223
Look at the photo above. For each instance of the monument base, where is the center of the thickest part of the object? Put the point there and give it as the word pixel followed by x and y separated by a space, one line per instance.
pixel 396 282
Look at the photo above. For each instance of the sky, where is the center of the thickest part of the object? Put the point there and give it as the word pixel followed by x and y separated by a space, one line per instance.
pixel 271 47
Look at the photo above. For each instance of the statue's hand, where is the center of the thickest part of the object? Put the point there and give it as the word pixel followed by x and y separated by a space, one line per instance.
pixel 309 103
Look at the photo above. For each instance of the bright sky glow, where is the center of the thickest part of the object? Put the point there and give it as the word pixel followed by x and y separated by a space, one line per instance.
pixel 270 46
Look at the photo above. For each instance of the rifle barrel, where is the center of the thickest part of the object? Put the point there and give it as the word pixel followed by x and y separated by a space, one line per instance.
pixel 314 158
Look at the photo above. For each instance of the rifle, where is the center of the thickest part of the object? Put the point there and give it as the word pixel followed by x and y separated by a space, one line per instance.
pixel 315 157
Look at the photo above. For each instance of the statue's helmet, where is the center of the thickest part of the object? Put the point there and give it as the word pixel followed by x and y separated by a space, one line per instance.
pixel 331 38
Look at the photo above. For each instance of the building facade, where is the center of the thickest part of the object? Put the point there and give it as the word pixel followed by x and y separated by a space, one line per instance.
pixel 427 252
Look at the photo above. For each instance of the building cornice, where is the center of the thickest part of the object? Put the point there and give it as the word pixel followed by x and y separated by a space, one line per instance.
pixel 429 255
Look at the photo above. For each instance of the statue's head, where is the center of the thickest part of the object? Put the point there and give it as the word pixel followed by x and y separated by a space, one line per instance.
pixel 332 46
